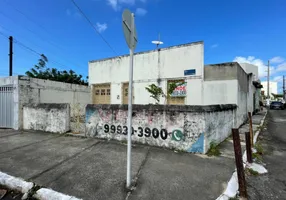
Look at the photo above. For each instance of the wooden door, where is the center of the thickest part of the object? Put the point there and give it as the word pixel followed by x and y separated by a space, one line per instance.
pixel 101 94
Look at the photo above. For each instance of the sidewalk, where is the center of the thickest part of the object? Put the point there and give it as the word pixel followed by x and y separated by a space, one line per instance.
pixel 96 169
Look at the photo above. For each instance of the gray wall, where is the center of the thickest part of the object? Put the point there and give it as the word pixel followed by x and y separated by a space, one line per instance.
pixel 47 117
pixel 224 71
pixel 187 128
pixel 33 91
pixel 222 76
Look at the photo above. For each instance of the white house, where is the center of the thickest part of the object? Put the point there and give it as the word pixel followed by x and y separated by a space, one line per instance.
pixel 109 77
pixel 224 83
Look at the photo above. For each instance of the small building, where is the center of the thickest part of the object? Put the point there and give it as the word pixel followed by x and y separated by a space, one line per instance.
pixel 109 77
pixel 225 83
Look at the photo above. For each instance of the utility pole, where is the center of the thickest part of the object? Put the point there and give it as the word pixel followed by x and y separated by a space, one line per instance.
pixel 284 91
pixel 10 56
pixel 268 76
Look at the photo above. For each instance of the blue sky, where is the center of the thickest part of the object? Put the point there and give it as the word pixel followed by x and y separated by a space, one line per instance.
pixel 242 30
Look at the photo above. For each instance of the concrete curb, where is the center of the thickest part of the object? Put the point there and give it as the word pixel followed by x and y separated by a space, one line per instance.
pixel 232 186
pixel 25 187
pixel 14 183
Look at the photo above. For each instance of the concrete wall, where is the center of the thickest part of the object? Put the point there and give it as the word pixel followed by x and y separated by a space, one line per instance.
pixel 35 91
pixel 249 68
pixel 220 92
pixel 223 71
pixel 157 66
pixel 187 128
pixel 228 83
pixel 47 117
pixel 13 81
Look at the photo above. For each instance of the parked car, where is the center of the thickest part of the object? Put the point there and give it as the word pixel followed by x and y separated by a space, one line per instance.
pixel 277 105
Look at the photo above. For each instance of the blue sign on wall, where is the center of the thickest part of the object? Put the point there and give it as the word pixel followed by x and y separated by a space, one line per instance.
pixel 190 72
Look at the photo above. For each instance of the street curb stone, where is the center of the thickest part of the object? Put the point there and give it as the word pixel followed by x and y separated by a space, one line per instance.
pixel 25 187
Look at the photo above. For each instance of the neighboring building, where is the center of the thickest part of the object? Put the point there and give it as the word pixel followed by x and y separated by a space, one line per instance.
pixel 249 68
pixel 273 89
pixel 228 83
pixel 17 91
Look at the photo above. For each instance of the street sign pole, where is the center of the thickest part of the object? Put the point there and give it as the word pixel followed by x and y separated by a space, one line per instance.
pixel 130 35
pixel 130 95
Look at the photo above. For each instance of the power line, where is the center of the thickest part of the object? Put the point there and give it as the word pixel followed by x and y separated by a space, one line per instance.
pixel 32 50
pixel 43 39
pixel 19 11
pixel 89 21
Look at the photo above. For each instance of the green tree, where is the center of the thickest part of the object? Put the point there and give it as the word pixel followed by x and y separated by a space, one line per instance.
pixel 156 91
pixel 41 71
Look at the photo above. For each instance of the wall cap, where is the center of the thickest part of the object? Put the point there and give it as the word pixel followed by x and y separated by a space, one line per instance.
pixel 176 108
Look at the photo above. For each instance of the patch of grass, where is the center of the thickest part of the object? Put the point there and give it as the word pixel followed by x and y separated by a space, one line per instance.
pixel 259 148
pixel 252 172
pixel 179 151
pixel 257 157
pixel 233 198
pixel 124 142
pixel 214 150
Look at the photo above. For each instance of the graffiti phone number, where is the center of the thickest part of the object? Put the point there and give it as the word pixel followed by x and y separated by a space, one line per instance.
pixel 141 132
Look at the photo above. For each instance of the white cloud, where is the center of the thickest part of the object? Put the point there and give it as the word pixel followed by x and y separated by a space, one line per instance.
pixel 255 61
pixel 262 68
pixel 214 46
pixel 74 14
pixel 117 4
pixel 101 27
pixel 113 4
pixel 281 67
pixel 277 59
pixel 141 12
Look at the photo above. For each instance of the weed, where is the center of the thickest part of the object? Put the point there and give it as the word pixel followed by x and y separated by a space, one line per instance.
pixel 124 141
pixel 252 172
pixel 259 148
pixel 214 149
pixel 180 151
pixel 257 157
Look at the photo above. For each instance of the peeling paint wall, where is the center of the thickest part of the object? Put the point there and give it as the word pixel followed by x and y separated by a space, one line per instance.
pixel 180 127
pixel 34 91
pixel 47 117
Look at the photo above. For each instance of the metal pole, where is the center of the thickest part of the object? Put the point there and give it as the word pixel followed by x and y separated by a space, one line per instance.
pixel 268 74
pixel 130 95
pixel 284 88
pixel 239 163
pixel 248 147
pixel 250 128
pixel 10 56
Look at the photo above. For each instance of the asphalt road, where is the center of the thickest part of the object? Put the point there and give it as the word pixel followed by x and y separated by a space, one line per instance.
pixel 96 169
pixel 272 185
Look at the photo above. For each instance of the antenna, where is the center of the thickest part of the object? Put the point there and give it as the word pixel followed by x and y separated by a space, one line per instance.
pixel 157 42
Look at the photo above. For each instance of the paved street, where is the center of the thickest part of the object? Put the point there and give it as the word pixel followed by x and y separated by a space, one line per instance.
pixel 94 169
pixel 272 185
